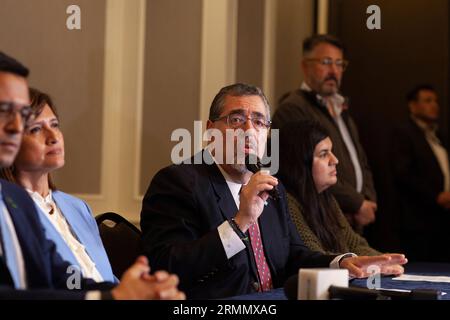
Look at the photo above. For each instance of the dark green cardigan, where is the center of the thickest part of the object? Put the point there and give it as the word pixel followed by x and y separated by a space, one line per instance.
pixel 349 239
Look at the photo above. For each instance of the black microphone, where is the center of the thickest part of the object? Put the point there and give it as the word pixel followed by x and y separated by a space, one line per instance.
pixel 253 164
pixel 360 293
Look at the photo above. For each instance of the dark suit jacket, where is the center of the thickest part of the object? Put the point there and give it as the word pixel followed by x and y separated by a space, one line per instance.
pixel 302 105
pixel 181 211
pixel 45 270
pixel 421 222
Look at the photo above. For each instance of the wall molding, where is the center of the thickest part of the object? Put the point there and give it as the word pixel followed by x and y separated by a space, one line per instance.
pixel 322 16
pixel 269 49
pixel 122 110
pixel 219 50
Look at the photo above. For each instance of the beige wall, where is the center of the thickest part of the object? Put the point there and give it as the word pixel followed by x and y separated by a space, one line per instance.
pixel 171 79
pixel 249 63
pixel 295 21
pixel 69 66
pixel 139 69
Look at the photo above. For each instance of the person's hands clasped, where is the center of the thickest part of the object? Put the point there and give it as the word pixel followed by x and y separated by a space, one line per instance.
pixel 138 284
pixel 389 264
pixel 252 199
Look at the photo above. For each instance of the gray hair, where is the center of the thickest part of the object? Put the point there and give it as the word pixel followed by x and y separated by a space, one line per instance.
pixel 235 90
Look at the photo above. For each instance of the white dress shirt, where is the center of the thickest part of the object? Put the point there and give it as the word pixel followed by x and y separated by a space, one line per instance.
pixel 439 151
pixel 230 240
pixel 51 211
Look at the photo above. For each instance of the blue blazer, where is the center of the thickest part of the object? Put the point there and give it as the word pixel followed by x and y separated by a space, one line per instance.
pixel 45 269
pixel 83 225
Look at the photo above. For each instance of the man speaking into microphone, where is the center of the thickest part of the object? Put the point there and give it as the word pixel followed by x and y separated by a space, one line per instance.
pixel 214 223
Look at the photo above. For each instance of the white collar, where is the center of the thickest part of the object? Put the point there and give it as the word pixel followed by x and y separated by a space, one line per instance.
pixel 234 187
pixel 37 195
pixel 45 203
pixel 339 98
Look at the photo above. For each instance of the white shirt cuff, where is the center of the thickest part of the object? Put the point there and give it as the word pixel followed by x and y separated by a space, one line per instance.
pixel 230 240
pixel 93 295
pixel 335 263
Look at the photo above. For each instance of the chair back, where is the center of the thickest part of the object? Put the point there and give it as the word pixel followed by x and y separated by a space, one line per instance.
pixel 121 239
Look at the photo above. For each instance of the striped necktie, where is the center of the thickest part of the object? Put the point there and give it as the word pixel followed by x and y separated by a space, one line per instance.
pixel 258 251
pixel 265 278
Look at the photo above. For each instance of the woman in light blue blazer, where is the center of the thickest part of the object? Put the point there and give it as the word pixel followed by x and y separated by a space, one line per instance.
pixel 67 220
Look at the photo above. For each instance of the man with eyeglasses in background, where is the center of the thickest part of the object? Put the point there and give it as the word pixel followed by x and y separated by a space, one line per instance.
pixel 214 224
pixel 318 99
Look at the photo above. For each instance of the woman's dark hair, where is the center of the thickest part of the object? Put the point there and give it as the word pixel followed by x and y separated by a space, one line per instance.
pixel 298 141
pixel 38 101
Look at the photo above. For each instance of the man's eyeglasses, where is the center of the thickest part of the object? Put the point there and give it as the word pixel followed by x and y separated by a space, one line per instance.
pixel 326 62
pixel 9 109
pixel 238 120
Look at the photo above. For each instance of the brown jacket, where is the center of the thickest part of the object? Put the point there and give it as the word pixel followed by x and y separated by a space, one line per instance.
pixel 302 105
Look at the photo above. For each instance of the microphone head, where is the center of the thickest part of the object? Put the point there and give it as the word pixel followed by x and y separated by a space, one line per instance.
pixel 252 163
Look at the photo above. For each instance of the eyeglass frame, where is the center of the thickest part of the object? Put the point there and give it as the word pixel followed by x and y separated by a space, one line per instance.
pixel 330 62
pixel 11 109
pixel 267 125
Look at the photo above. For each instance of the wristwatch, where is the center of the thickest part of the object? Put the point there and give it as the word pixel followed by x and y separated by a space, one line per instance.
pixel 236 229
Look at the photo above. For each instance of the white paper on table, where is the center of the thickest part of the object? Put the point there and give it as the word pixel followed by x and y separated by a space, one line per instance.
pixel 411 277
pixel 396 290
pixel 403 290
